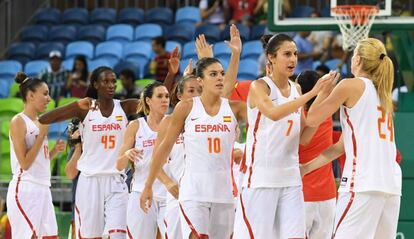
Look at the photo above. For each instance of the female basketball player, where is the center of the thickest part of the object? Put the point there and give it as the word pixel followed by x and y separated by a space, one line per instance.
pixel 141 135
pixel 30 163
pixel 275 130
pixel 208 121
pixel 370 190
pixel 319 188
pixel 103 123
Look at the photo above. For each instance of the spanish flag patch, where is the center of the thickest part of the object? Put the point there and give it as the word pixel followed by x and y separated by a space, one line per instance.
pixel 226 119
pixel 119 118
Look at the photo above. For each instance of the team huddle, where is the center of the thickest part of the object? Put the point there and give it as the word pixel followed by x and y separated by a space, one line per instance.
pixel 183 184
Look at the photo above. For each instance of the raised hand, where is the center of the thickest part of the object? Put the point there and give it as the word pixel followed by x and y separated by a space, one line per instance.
pixel 327 89
pixel 235 43
pixel 323 82
pixel 203 48
pixel 174 61
pixel 189 69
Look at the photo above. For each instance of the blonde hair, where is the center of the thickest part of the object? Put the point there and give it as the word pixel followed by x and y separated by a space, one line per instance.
pixel 379 66
pixel 143 107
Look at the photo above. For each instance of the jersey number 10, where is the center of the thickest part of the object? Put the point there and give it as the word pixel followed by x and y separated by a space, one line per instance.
pixel 381 120
pixel 214 145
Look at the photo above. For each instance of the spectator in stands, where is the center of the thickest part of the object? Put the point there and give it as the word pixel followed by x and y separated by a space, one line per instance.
pixel 55 75
pixel 306 52
pixel 242 11
pixel 214 12
pixel 322 69
pixel 129 89
pixel 78 79
pixel 260 12
pixel 321 40
pixel 159 66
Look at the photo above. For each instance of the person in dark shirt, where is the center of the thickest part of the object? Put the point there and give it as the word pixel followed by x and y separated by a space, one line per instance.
pixel 129 89
pixel 159 66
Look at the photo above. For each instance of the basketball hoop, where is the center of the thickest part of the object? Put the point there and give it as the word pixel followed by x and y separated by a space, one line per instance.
pixel 354 21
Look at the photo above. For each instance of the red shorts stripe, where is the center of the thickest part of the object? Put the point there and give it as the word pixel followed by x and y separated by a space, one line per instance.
pixel 129 234
pixel 249 227
pixel 19 205
pixel 166 226
pixel 256 126
pixel 193 230
pixel 51 237
pixel 117 231
pixel 348 206
pixel 80 224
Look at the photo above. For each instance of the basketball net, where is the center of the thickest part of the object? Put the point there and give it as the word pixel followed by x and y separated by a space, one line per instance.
pixel 355 22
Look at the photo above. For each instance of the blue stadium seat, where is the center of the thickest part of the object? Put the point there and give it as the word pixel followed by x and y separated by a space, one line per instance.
pixel 143 65
pixel 316 64
pixel 78 16
pixel 331 64
pixel 68 63
pixel 160 15
pixel 120 32
pixel 110 51
pixel 137 50
pixel 103 16
pixel 21 51
pixel 325 12
pixel 302 11
pixel 4 88
pixel 189 50
pixel 147 31
pixel 132 16
pixel 257 31
pixel 63 33
pixel 43 49
pixel 93 64
pixel 211 32
pixel 188 15
pixel 34 33
pixel 170 45
pixel 221 50
pixel 127 65
pixel 47 16
pixel 91 33
pixel 243 30
pixel 248 69
pixel 252 50
pixel 79 48
pixel 33 68
pixel 9 68
pixel 181 33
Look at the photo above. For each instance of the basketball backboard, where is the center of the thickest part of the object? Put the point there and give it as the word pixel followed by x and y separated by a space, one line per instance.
pixel 295 15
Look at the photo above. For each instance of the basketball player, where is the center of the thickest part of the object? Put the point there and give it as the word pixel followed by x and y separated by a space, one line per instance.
pixel 103 124
pixel 206 187
pixel 186 88
pixel 29 200
pixel 275 131
pixel 369 194
pixel 141 135
pixel 319 188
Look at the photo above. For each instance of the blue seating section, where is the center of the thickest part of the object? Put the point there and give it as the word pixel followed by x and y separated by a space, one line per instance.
pixel 116 39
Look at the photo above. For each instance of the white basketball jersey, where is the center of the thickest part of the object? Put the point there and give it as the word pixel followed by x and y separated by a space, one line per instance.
pixel 208 143
pixel 272 146
pixel 39 171
pixel 145 140
pixel 175 166
pixel 369 140
pixel 101 140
